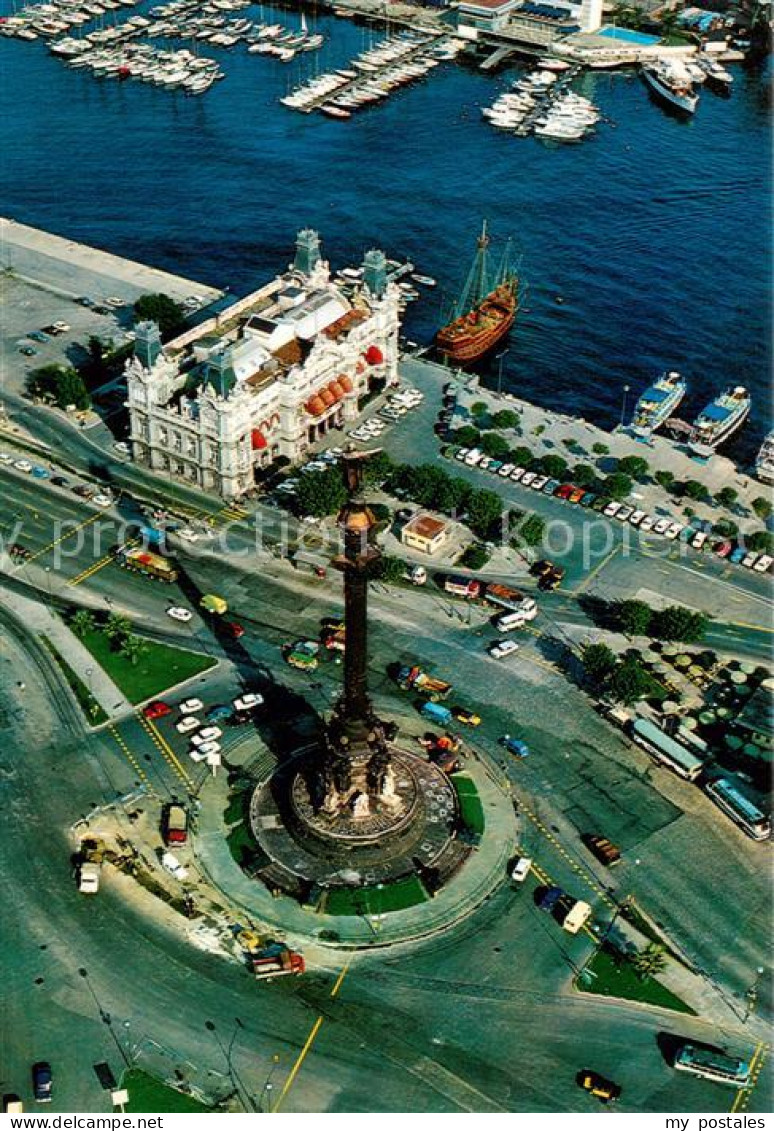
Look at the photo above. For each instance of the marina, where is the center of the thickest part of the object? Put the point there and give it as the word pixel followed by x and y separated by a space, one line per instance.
pixel 542 104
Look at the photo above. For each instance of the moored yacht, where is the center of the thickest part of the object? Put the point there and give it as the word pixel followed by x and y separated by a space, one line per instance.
pixel 672 84
pixel 659 401
pixel 719 420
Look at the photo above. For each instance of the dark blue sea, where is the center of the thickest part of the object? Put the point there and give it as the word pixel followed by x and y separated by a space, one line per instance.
pixel 654 233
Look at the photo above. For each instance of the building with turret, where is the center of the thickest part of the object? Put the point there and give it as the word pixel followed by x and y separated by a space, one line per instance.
pixel 267 377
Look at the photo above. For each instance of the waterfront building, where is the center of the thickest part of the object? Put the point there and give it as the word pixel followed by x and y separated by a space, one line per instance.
pixel 486 15
pixel 266 378
pixel 425 533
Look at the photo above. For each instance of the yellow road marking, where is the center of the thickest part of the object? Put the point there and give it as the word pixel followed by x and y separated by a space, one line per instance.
pixel 600 565
pixel 756 1064
pixel 309 1042
pixel 64 537
pixel 95 567
pixel 132 760
pixel 167 752
pixel 749 627
pixel 565 854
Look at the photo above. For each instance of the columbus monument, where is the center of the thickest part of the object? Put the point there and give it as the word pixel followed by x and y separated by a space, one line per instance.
pixel 355 807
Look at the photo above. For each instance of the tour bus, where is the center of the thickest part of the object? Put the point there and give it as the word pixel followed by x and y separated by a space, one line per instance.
pixel 713 1065
pixel 664 749
pixel 739 808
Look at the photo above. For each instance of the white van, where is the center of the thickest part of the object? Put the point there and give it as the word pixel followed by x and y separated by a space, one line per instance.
pixel 474 456
pixel 576 917
pixel 510 621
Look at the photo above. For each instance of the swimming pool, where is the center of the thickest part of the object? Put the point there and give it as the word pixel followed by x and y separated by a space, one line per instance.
pixel 627 36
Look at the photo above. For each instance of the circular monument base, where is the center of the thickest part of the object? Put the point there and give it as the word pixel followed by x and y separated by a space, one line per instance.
pixel 307 849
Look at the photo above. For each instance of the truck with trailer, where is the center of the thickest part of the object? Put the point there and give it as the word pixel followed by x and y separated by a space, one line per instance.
pixel 467 587
pixel 137 560
pixel 412 678
pixel 605 851
pixel 275 960
pixel 511 600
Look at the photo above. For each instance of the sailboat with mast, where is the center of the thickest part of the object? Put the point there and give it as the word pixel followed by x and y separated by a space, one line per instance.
pixel 486 308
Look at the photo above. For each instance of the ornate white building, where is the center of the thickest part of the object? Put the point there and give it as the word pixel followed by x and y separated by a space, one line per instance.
pixel 267 377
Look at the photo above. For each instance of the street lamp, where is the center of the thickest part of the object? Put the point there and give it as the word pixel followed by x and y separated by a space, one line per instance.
pixel 623 402
pixel 500 359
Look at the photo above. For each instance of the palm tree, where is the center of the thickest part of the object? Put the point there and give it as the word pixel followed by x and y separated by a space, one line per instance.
pixel 117 627
pixel 82 622
pixel 132 647
pixel 649 961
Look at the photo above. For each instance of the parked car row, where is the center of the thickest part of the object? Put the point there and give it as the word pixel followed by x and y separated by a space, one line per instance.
pixel 699 535
pixel 204 733
pixel 101 497
pixel 397 406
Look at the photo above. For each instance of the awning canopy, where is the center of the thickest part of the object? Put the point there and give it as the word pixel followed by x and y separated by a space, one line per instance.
pixel 374 356
pixel 257 440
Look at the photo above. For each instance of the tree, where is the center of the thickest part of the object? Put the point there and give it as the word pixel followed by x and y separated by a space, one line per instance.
pixel 82 622
pixel 60 384
pixel 389 568
pixel 478 409
pixel 132 647
pixel 634 466
pixel 665 479
pixel 475 557
pixel 521 456
pixel 466 437
pixel 725 528
pixel 695 490
pixel 634 617
pixel 617 486
pixel 554 466
pixel 583 474
pixel 600 449
pixel 505 418
pixel 164 311
pixel 726 497
pixel 377 468
pixel 762 508
pixel 320 494
pixel 495 445
pixel 649 961
pixel 678 623
pixel 485 512
pixel 117 627
pixel 599 663
pixel 629 682
pixel 760 542
pixel 531 531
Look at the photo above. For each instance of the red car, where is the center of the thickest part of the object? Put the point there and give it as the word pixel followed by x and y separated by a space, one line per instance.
pixel 564 491
pixel 576 495
pixel 234 629
pixel 156 710
pixel 723 549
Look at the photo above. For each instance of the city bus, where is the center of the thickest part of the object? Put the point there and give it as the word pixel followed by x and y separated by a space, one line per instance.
pixel 739 808
pixel 664 749
pixel 713 1066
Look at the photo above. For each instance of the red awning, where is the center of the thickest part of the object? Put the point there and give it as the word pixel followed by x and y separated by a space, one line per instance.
pixel 374 355
pixel 315 406
pixel 327 397
pixel 345 383
pixel 336 389
pixel 257 440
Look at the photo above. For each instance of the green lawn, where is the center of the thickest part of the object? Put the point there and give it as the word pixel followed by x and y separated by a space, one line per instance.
pixel 377 901
pixel 622 982
pixel 470 804
pixel 159 667
pixel 146 1094
pixel 88 703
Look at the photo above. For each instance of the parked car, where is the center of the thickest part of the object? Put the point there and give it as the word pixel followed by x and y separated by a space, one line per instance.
pixel 60 481
pixel 538 483
pixel 234 629
pixel 39 336
pixel 600 502
pixel 204 750
pixel 156 710
pixel 179 613
pixel 577 495
pixel 518 474
pixel 100 500
pixel 661 526
pixel 763 564
pixel 40 473
pixel 550 486
pixel 23 465
pixel 515 746
pixel 612 509
pixel 604 1089
pixel 698 540
pixel 498 649
pixel 28 351
pixel 42 1081
pixel 528 477
pixel 248 701
pixel 550 898
pixel 623 513
pixel 505 470
pixel 749 561
pixel 187 724
pixel 588 499
pixel 463 715
pixel 564 490
pixel 737 554
pixel 636 517
pixel 673 530
pixel 648 522
pixel 723 549
pixel 220 713
pixel 521 868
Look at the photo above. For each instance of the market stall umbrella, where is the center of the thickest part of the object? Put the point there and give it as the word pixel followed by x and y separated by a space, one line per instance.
pixel 707 717
pixel 649 656
pixel 670 650
pixel 722 712
pixel 738 678
pixel 695 672
pixel 682 661
pixel 747 668
pixel 689 723
pixel 669 707
pixel 733 742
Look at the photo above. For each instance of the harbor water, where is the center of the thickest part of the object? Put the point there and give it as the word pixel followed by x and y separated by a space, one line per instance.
pixel 644 247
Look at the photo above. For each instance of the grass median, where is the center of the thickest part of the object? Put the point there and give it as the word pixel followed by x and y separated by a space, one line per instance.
pixel 159 666
pixel 148 1095
pixel 88 704
pixel 614 977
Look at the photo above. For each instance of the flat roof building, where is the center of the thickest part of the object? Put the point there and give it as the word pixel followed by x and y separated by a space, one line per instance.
pixel 425 533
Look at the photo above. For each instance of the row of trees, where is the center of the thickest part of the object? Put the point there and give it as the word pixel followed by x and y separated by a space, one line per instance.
pixel 625 681
pixel 60 385
pixel 118 630
pixel 637 618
